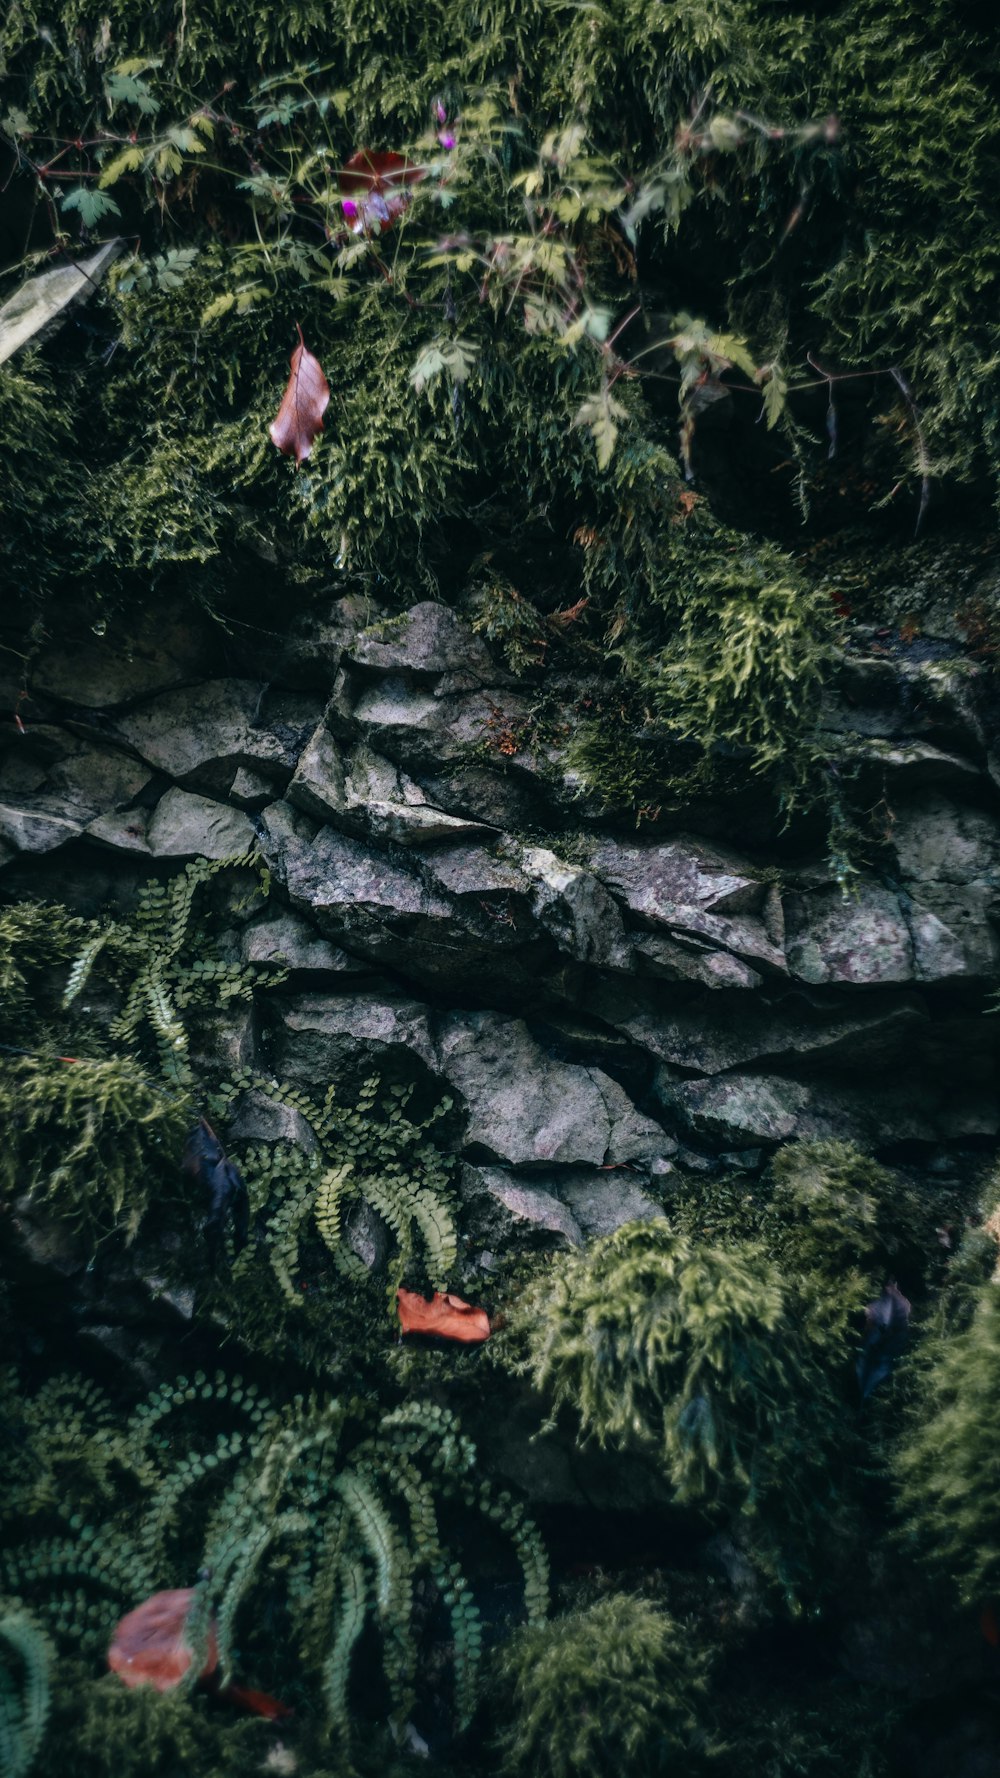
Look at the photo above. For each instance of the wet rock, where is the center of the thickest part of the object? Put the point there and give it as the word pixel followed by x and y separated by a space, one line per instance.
pixel 523 1106
pixel 602 1202
pixel 292 942
pixel 40 305
pixel 144 652
pixel 743 1109
pixel 360 792
pixel 368 1237
pixel 203 735
pixel 693 889
pixel 500 1209
pixel 259 1118
pixel 29 826
pixel 861 939
pixel 322 1037
pixel 186 826
pixel 574 906
pixel 426 642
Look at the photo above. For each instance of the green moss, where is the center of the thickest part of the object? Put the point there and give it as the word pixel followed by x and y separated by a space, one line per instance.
pixel 722 1362
pixel 946 1464
pixel 94 1142
pixel 833 1210
pixel 613 1688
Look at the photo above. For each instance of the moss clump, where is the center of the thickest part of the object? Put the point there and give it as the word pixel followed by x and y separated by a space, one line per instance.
pixel 833 1209
pixel 718 1358
pixel 613 1688
pixel 96 1142
pixel 946 1464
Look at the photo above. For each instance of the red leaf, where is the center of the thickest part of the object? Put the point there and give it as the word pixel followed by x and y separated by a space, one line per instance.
pixel 446 1316
pixel 373 189
pixel 261 1703
pixel 300 416
pixel 150 1645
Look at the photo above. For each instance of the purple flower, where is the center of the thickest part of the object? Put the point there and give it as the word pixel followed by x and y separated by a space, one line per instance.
pixel 446 139
pixel 349 208
pixel 440 111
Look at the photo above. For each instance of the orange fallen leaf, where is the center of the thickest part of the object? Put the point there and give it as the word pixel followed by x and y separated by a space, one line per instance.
pixel 150 1647
pixel 300 417
pixel 446 1316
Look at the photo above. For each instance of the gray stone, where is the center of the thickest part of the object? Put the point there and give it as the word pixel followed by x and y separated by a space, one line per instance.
pixel 679 960
pixel 860 939
pixel 708 1035
pixel 124 831
pixel 367 1236
pixel 426 641
pixel 291 941
pixel 361 792
pixel 938 841
pixel 203 735
pixel 740 1109
pixel 501 1208
pixel 525 1107
pixel 144 652
pixel 602 1202
pixel 187 826
pixel 323 1036
pixel 79 771
pixel 574 907
pixel 32 827
pixel 693 889
pixel 261 1119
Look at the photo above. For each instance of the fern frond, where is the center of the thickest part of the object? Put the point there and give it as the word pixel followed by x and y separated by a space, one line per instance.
pixel 27 1661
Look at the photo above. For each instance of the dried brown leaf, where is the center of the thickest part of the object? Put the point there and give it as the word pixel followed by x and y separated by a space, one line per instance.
pixel 300 417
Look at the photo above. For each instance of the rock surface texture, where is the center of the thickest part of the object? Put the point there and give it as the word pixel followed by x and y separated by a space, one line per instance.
pixel 602 1006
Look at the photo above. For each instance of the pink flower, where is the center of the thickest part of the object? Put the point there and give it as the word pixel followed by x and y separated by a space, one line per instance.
pixel 440 111
pixel 446 139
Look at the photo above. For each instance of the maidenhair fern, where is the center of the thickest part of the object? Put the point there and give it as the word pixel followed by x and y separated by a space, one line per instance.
pixel 331 1505
pixel 27 1659
pixel 372 1150
pixel 167 965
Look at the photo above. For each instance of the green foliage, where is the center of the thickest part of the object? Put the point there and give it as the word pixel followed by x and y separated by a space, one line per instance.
pixel 328 1509
pixel 35 938
pixel 616 1687
pixel 373 1150
pixel 833 1209
pixel 94 1141
pixel 165 964
pixel 946 1461
pixel 103 1727
pixel 716 1358
pixel 26 1663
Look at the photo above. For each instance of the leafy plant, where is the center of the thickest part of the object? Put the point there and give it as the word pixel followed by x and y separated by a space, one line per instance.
pixel 329 1506
pixel 26 1663
pixel 833 1209
pixel 373 1150
pixel 165 967
pixel 615 1687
